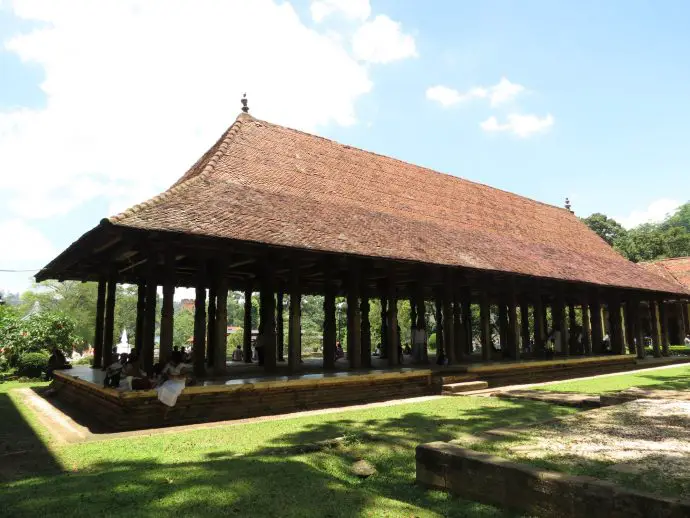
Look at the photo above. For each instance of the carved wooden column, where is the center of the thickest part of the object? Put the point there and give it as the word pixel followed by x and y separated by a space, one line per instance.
pixel 459 331
pixel 199 343
pixel 513 330
pixel 654 319
pixel 663 319
pixel 572 330
pixel 366 328
pixel 247 331
pixel 503 328
pixel 682 330
pixel 141 311
pixel 466 307
pixel 295 320
pixel 560 323
pixel 220 347
pixel 586 340
pixel 211 324
pixel 354 323
pixel 485 326
pixel 167 317
pixel 392 331
pixel 329 331
pixel 617 333
pixel 421 324
pixel 268 318
pixel 109 322
pixel 639 334
pixel 440 353
pixel 539 325
pixel 280 331
pixel 147 355
pixel 384 325
pixel 597 331
pixel 448 331
pixel 100 321
pixel 524 324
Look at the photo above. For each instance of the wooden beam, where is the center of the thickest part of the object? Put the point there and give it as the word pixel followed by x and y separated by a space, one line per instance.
pixel 448 325
pixel 639 332
pixel 466 303
pixel 141 311
pixel 503 328
pixel 329 330
pixel 572 329
pixel 268 318
pixel 513 328
pixel 280 328
pixel 384 326
pixel 586 339
pixel 354 322
pixel 458 330
pixel 440 342
pixel 524 324
pixel 663 317
pixel 149 319
pixel 211 327
pixel 99 325
pixel 597 329
pixel 392 331
pixel 539 325
pixel 364 308
pixel 199 344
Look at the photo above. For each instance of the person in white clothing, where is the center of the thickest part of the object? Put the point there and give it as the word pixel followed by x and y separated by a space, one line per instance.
pixel 173 376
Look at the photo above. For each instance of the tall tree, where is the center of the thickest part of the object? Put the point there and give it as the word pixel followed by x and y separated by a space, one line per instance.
pixel 607 228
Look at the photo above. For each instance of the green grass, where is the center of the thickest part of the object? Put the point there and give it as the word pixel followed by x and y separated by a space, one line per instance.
pixel 677 378
pixel 252 470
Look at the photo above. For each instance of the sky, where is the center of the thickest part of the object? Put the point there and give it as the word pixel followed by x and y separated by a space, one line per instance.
pixel 105 104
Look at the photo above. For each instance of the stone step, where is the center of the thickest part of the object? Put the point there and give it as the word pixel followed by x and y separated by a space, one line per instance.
pixel 467 386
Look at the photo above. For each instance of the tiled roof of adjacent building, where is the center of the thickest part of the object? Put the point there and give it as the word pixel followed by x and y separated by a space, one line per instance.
pixel 265 183
pixel 674 270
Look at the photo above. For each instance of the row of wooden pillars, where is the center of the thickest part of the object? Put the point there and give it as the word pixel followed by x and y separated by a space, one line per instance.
pixel 454 326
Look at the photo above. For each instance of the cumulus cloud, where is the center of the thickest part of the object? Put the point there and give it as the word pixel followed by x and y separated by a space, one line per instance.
pixel 654 213
pixel 500 93
pixel 382 40
pixel 136 91
pixel 520 125
pixel 350 9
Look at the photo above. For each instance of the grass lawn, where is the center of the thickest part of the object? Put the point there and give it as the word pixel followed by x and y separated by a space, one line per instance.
pixel 677 378
pixel 247 470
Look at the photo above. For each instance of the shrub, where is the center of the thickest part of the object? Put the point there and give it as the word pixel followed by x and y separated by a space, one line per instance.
pixel 431 343
pixel 84 360
pixel 32 365
pixel 39 333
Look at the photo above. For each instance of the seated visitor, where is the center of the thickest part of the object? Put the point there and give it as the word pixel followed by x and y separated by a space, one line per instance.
pixel 407 349
pixel 57 361
pixel 339 353
pixel 113 372
pixel 136 377
pixel 377 351
pixel 237 354
pixel 174 378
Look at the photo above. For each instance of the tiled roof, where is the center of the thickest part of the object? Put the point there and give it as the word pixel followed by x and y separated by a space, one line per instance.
pixel 674 270
pixel 266 183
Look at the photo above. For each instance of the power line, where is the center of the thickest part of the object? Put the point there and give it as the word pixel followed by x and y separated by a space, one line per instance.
pixel 18 271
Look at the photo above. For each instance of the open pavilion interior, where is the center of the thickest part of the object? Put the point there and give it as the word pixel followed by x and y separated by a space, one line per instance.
pixel 280 212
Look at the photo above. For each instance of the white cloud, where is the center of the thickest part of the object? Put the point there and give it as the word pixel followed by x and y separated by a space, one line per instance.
pixel 520 125
pixel 381 40
pixel 350 9
pixel 23 243
pixel 136 91
pixel 500 93
pixel 654 213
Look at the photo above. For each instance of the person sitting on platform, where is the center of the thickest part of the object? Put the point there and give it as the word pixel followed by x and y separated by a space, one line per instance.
pixel 174 380
pixel 113 372
pixel 339 353
pixel 377 351
pixel 237 354
pixel 687 340
pixel 57 361
pixel 135 376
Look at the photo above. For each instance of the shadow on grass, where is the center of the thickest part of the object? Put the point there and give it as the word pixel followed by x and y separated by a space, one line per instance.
pixel 22 452
pixel 681 382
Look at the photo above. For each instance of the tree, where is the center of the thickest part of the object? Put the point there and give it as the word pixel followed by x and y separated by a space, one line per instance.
pixel 607 228
pixel 183 327
pixel 643 243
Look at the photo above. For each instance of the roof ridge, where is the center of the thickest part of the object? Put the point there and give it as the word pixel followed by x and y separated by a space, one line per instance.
pixel 229 136
pixel 430 170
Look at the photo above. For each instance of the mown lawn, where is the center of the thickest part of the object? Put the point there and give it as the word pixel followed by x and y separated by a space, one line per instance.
pixel 677 378
pixel 248 470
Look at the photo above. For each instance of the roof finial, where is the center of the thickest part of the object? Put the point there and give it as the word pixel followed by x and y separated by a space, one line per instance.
pixel 245 108
pixel 567 204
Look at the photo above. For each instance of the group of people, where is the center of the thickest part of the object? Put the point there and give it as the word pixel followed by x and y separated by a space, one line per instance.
pixel 169 380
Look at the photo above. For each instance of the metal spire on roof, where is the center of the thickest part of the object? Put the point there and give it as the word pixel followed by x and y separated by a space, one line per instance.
pixel 567 204
pixel 245 108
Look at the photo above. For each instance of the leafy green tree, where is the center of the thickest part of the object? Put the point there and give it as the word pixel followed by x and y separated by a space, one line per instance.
pixel 183 327
pixel 643 243
pixel 680 219
pixel 607 228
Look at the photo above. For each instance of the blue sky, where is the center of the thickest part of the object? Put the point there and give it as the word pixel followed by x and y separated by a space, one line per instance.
pixel 103 104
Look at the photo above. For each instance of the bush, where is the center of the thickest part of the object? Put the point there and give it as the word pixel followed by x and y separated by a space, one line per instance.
pixel 84 360
pixel 32 365
pixel 431 343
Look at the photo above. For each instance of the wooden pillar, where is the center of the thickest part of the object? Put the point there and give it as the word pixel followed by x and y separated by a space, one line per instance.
pixel 149 344
pixel 503 328
pixel 109 323
pixel 513 328
pixel 572 330
pixel 211 325
pixel 524 324
pixel 617 333
pixel 654 319
pixel 440 352
pixel 384 326
pixel 329 337
pixel 597 341
pixel 167 317
pixel 639 332
pixel 421 324
pixel 392 330
pixel 100 321
pixel 485 326
pixel 466 304
pixel 280 331
pixel 247 331
pixel 220 347
pixel 663 317
pixel 448 331
pixel 682 330
pixel 141 311
pixel 199 344
pixel 268 318
pixel 366 329
pixel 539 325
pixel 586 340
pixel 295 320
pixel 560 323
pixel 459 330
pixel 629 321
pixel 354 323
